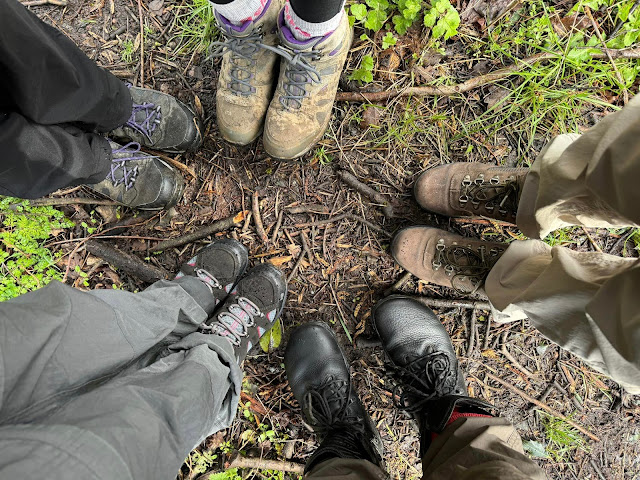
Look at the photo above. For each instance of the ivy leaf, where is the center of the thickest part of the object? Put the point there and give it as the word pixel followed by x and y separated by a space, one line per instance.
pixel 272 339
pixel 359 11
pixel 388 40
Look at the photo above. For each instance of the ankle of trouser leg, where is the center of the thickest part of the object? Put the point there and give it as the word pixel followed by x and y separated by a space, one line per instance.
pixel 441 412
pixel 342 444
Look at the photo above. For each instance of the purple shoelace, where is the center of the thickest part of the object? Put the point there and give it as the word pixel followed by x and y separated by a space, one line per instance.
pixel 152 117
pixel 129 175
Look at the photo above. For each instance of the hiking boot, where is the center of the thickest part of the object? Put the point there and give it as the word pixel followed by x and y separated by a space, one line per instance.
pixel 140 180
pixel 427 381
pixel 301 107
pixel 446 259
pixel 219 266
pixel 251 309
pixel 319 377
pixel 472 188
pixel 247 74
pixel 161 122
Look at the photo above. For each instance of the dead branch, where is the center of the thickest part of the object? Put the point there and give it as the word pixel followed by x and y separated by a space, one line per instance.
pixel 398 285
pixel 263 464
pixel 257 219
pixel 319 209
pixel 126 262
pixel 446 303
pixel 367 191
pixel 37 3
pixel 544 406
pixel 348 216
pixel 219 226
pixel 481 221
pixel 52 202
pixel 472 333
pixel 479 81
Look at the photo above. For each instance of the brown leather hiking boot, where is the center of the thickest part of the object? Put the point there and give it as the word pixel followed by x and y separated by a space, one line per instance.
pixel 471 188
pixel 301 107
pixel 247 74
pixel 444 258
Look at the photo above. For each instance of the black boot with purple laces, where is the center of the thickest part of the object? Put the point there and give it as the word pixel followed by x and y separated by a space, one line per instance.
pixel 138 179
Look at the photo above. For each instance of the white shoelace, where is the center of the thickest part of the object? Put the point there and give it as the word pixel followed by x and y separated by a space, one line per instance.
pixel 236 321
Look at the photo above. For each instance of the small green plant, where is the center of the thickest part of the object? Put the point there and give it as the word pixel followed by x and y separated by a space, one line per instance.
pixel 25 262
pixel 197 28
pixel 388 40
pixel 323 157
pixel 231 474
pixel 199 462
pixel 272 339
pixel 562 438
pixel 128 48
pixel 364 73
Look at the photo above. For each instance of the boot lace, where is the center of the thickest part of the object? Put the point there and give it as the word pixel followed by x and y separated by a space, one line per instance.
pixel 327 406
pixel 145 117
pixel 208 279
pixel 423 379
pixel 494 194
pixel 465 263
pixel 243 59
pixel 122 172
pixel 299 73
pixel 236 321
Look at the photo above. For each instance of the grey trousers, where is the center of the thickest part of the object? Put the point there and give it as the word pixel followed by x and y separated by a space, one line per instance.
pixel 110 384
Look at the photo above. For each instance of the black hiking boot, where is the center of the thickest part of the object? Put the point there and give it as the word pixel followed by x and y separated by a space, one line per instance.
pixel 319 377
pixel 423 365
pixel 161 122
pixel 251 309
pixel 219 266
pixel 140 180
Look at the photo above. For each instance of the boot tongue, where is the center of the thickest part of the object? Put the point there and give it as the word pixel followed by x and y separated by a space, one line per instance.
pixel 289 40
pixel 242 30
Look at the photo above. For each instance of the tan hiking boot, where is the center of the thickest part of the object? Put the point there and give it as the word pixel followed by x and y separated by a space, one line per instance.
pixel 247 74
pixel 446 259
pixel 471 188
pixel 301 107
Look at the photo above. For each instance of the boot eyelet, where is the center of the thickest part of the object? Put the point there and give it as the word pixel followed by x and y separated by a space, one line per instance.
pixel 495 180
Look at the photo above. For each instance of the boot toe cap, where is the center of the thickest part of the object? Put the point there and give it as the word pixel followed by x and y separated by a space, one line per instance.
pixel 411 249
pixel 432 190
pixel 313 355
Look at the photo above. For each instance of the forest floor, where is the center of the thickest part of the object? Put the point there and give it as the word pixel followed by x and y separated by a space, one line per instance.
pixel 332 240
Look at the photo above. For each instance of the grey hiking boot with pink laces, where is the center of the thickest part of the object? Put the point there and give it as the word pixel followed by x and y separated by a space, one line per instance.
pixel 160 122
pixel 250 310
pixel 140 180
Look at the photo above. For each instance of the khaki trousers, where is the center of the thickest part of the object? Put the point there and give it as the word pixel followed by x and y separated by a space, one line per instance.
pixel 588 303
pixel 472 448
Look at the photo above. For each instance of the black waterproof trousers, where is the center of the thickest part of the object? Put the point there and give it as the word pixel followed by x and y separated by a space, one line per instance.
pixel 54 101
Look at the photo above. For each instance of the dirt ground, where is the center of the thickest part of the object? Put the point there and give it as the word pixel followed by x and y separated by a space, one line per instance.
pixel 345 266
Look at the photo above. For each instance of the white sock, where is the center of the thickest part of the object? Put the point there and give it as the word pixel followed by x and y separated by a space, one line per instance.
pixel 239 11
pixel 304 30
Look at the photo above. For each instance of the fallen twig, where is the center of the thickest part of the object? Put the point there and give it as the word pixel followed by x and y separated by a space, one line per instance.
pixel 446 303
pixel 126 262
pixel 140 17
pixel 348 216
pixel 481 221
pixel 263 464
pixel 472 333
pixel 179 165
pixel 398 285
pixel 544 406
pixel 319 209
pixel 475 82
pixel 367 191
pixel 511 358
pixel 37 3
pixel 219 226
pixel 257 219
pixel 276 230
pixel 52 202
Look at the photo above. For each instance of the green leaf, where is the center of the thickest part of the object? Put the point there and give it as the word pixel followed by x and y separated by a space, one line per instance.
pixel 359 11
pixel 272 339
pixel 535 449
pixel 430 18
pixel 367 62
pixel 401 24
pixel 375 20
pixel 388 40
